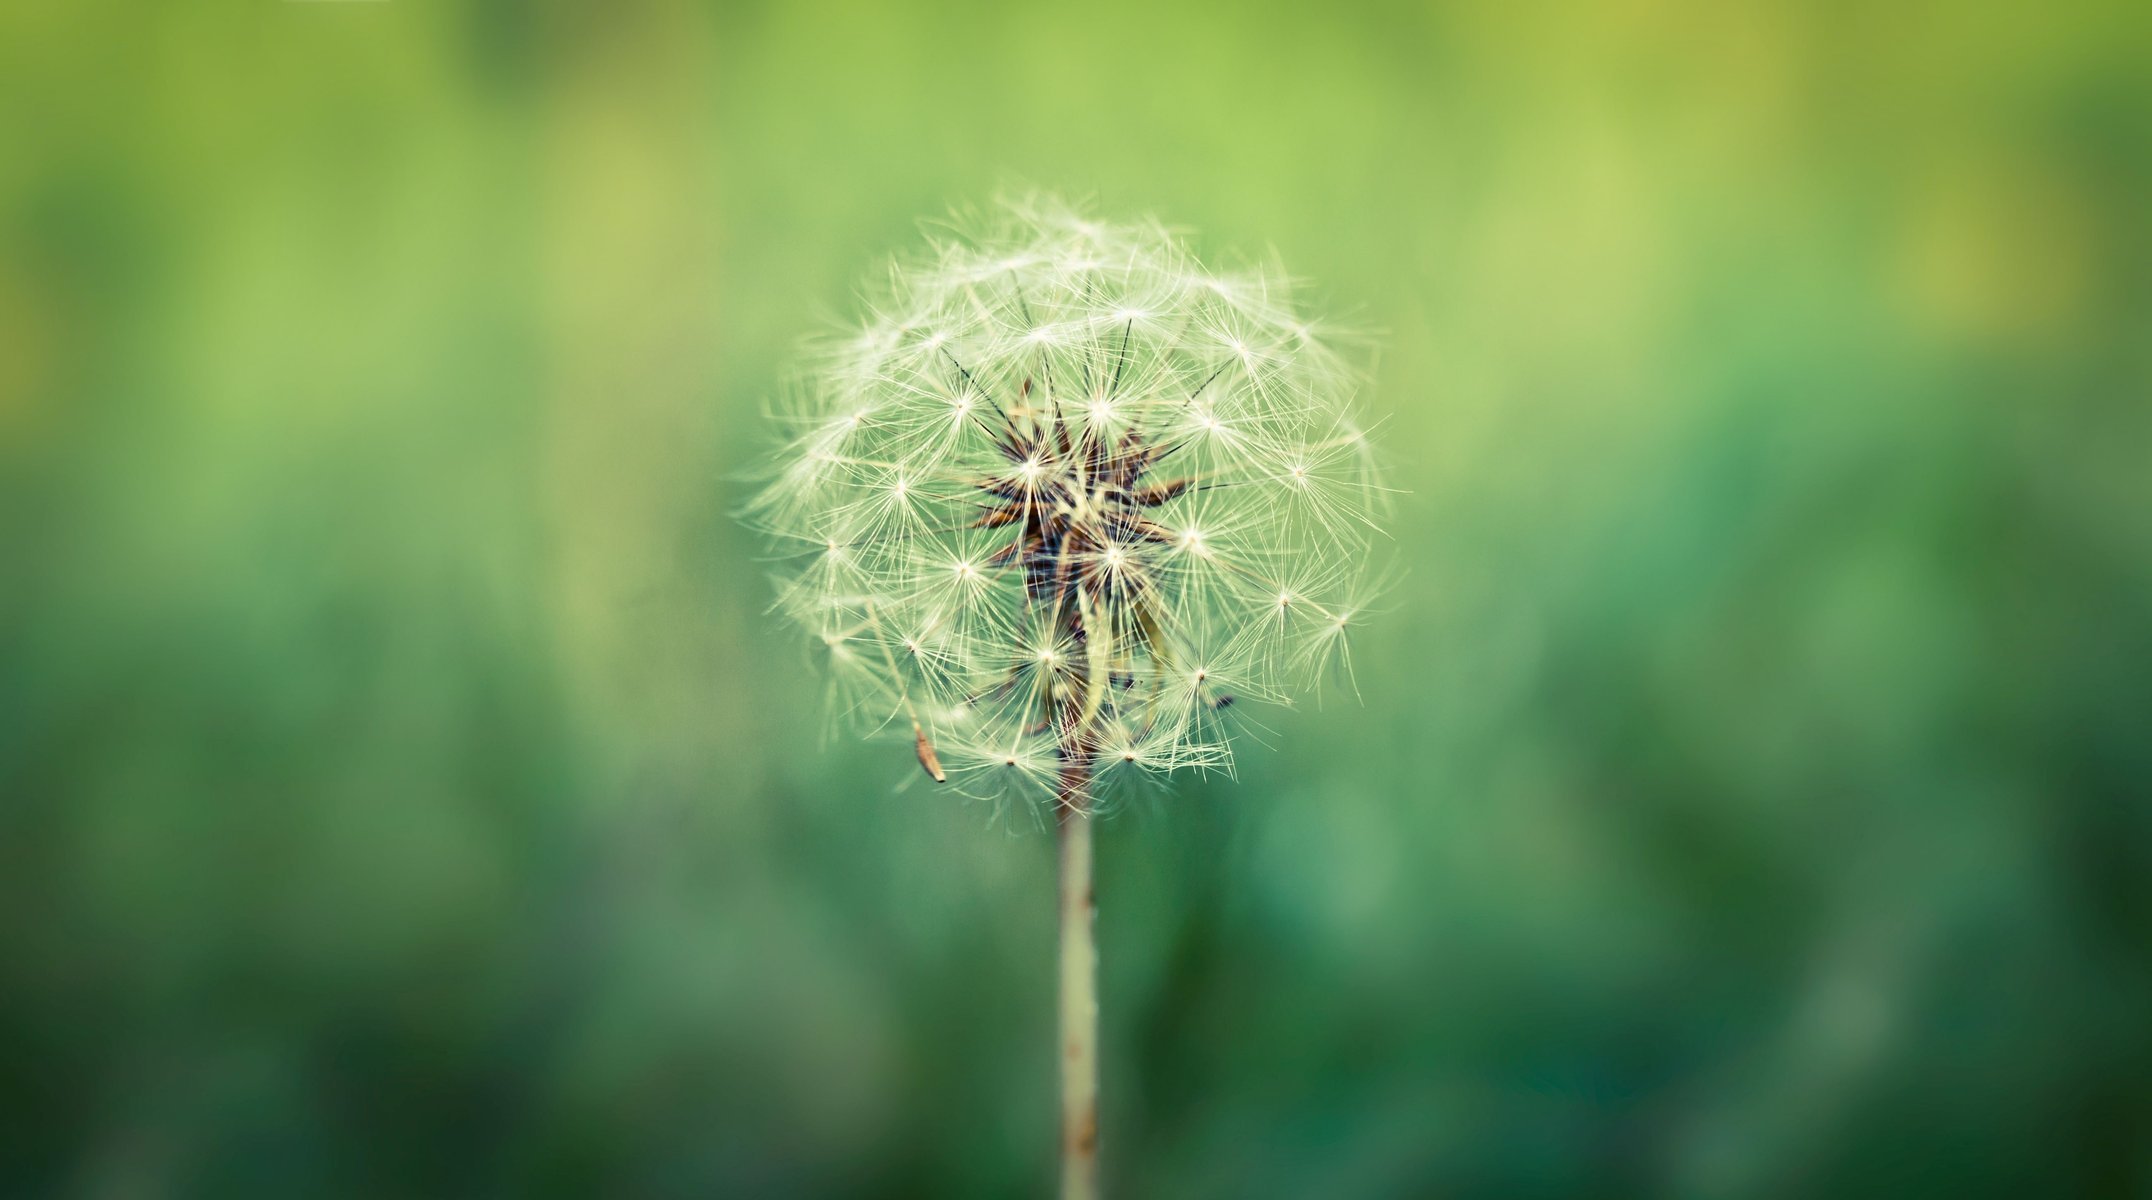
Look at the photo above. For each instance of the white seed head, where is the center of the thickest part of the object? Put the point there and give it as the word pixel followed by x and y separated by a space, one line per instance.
pixel 1066 495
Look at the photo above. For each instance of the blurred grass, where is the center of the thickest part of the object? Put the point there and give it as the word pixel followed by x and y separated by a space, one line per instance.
pixel 404 793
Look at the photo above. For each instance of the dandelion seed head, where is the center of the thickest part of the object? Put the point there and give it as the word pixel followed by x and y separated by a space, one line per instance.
pixel 1035 500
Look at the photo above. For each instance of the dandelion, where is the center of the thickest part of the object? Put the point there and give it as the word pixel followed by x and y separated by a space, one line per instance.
pixel 1061 500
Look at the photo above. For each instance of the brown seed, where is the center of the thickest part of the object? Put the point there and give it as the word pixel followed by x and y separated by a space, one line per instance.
pixel 1004 515
pixel 1153 495
pixel 927 758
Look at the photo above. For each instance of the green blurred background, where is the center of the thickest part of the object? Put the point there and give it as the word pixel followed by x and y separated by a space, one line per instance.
pixel 404 793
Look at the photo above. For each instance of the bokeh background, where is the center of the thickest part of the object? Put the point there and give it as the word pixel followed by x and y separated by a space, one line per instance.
pixel 404 793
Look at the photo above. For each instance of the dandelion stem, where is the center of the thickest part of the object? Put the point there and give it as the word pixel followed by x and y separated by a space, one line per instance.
pixel 1079 984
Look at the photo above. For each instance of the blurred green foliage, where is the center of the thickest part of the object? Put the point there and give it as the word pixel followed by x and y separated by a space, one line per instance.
pixel 402 790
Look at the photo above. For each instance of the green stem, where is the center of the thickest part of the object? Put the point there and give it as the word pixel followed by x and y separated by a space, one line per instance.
pixel 1079 988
